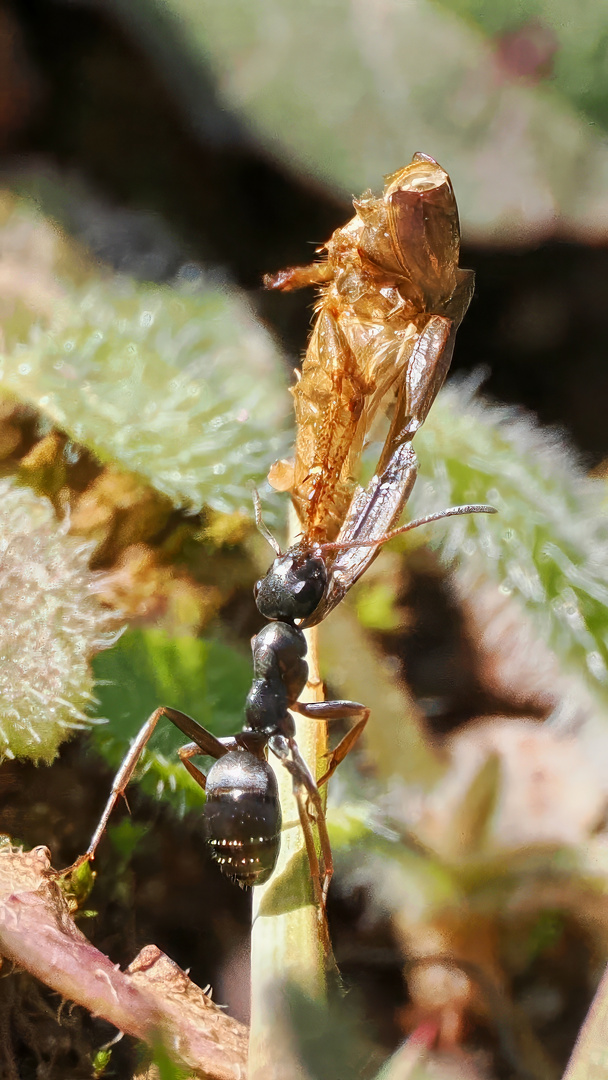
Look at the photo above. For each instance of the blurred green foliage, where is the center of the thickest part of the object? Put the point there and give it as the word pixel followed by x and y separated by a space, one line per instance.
pixel 547 548
pixel 182 385
pixel 147 668
pixel 121 370
pixel 569 43
pixel 354 99
pixel 167 1069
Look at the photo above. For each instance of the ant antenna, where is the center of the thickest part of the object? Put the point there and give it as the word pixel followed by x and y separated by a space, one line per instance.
pixel 266 533
pixel 452 511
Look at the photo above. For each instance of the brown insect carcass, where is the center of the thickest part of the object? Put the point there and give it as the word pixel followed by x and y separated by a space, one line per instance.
pixel 390 301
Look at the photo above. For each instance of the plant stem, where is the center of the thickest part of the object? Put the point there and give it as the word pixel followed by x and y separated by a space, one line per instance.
pixel 153 998
pixel 287 936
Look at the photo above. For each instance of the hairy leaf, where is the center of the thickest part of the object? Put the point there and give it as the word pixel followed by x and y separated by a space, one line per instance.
pixel 147 668
pixel 51 623
pixel 178 384
pixel 547 548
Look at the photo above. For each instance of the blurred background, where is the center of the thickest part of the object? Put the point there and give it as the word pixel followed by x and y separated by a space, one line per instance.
pixel 157 160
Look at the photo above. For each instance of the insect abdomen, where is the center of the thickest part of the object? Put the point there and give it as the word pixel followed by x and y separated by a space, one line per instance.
pixel 242 817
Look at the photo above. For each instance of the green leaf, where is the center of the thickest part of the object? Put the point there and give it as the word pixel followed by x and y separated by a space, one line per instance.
pixel 167 1068
pixel 100 1062
pixel 180 385
pixel 331 1036
pixel 51 623
pixel 575 39
pixel 205 679
pixel 375 82
pixel 546 548
pixel 401 878
pixel 395 735
pixel 376 608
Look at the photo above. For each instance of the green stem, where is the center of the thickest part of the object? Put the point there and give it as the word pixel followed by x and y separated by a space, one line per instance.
pixel 287 936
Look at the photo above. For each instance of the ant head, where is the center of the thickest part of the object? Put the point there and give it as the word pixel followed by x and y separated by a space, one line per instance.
pixel 293 587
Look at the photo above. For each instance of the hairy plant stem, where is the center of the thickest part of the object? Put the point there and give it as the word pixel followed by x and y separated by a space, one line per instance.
pixel 288 938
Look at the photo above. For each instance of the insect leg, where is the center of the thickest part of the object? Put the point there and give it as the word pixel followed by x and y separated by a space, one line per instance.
pixel 343 748
pixel 306 779
pixel 205 742
pixel 261 527
pixel 185 753
pixel 299 277
pixel 336 710
pixel 207 745
pixel 306 793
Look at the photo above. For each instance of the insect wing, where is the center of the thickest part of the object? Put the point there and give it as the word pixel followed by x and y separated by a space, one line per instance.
pixel 372 513
pixel 424 228
pixel 375 510
pixel 328 401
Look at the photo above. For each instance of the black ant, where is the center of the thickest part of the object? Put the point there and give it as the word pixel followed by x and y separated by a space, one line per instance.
pixel 242 812
pixel 408 240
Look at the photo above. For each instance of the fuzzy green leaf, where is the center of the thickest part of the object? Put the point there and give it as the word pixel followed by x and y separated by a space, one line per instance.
pixel 402 877
pixel 51 623
pixel 178 384
pixel 547 547
pixel 147 668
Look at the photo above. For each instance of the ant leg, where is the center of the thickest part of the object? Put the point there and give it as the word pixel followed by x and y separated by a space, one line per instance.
pixel 185 753
pixel 304 783
pixel 193 749
pixel 309 840
pixel 305 792
pixel 307 780
pixel 317 871
pixel 343 748
pixel 205 741
pixel 336 710
pixel 121 780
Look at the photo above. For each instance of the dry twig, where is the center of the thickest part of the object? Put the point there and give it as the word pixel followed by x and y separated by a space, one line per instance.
pixel 152 999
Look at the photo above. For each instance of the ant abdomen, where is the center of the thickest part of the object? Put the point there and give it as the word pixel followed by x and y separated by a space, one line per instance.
pixel 242 817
